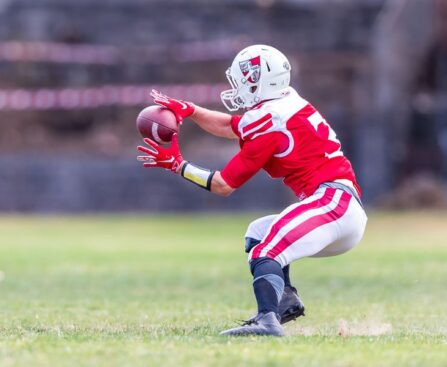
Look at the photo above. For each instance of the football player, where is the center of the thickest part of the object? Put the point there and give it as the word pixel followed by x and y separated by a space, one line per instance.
pixel 282 133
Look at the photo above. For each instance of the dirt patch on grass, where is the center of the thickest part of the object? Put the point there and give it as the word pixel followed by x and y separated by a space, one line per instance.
pixel 363 328
pixel 369 327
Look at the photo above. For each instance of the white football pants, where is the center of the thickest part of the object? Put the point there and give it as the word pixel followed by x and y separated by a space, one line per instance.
pixel 328 223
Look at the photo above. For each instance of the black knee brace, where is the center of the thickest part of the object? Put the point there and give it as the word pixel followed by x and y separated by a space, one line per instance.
pixel 250 243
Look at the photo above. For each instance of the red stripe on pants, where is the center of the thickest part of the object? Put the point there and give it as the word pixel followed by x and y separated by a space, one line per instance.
pixel 311 224
pixel 286 219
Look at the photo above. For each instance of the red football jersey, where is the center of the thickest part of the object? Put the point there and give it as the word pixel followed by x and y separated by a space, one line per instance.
pixel 289 139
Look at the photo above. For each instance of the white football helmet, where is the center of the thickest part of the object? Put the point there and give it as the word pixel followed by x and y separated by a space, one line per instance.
pixel 258 73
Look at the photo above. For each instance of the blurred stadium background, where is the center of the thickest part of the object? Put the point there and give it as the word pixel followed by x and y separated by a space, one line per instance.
pixel 75 73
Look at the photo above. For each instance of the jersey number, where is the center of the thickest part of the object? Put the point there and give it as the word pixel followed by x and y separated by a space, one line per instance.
pixel 324 131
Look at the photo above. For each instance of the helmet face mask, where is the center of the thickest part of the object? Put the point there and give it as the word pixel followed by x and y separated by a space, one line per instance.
pixel 257 73
pixel 230 98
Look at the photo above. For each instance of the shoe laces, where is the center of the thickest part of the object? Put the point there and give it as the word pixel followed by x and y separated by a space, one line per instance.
pixel 248 322
pixel 253 320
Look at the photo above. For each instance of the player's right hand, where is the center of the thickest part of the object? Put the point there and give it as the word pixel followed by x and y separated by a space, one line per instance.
pixel 157 156
pixel 180 108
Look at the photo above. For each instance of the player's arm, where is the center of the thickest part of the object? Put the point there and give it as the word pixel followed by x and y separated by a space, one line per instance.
pixel 214 122
pixel 240 169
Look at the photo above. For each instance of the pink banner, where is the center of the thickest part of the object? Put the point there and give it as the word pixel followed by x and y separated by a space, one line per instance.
pixel 108 55
pixel 110 95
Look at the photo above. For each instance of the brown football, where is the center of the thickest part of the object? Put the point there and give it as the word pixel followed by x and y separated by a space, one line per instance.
pixel 157 123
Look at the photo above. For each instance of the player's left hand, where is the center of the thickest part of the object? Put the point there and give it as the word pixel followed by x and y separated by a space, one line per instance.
pixel 181 109
pixel 157 156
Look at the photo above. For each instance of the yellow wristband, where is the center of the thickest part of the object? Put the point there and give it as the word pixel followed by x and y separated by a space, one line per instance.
pixel 198 175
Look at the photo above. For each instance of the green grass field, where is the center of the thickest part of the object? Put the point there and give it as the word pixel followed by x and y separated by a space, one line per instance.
pixel 151 291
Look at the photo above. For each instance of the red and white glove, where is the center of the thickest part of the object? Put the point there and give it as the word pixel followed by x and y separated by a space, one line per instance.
pixel 181 109
pixel 157 156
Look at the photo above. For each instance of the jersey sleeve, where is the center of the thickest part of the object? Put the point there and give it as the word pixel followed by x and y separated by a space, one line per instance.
pixel 252 157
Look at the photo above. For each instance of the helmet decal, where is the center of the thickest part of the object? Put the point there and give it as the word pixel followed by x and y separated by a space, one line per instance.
pixel 252 68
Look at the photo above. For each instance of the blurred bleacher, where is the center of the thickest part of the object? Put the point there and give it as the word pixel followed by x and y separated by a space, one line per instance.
pixel 73 75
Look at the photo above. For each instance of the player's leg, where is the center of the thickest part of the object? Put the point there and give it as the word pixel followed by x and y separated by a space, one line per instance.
pixel 333 221
pixel 289 218
pixel 331 216
pixel 268 278
pixel 290 305
pixel 329 232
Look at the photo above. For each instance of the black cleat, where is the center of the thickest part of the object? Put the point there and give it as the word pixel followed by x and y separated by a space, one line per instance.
pixel 261 324
pixel 291 306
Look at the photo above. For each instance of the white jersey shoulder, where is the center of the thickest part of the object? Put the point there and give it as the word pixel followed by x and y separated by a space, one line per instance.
pixel 272 116
pixel 278 111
